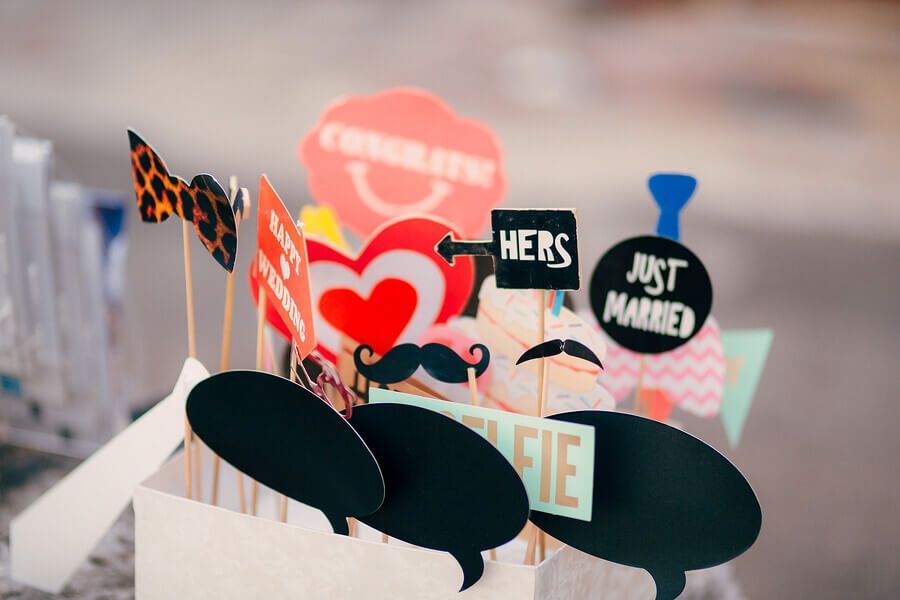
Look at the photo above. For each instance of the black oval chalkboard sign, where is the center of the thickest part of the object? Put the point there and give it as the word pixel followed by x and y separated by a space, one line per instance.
pixel 446 487
pixel 663 501
pixel 287 438
pixel 650 294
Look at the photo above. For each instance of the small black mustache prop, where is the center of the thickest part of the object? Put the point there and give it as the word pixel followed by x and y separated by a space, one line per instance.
pixel 554 347
pixel 438 360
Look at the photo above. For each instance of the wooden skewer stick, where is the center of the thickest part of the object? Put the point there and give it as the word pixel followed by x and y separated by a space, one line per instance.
pixel 192 348
pixel 260 349
pixel 542 307
pixel 542 538
pixel 473 397
pixel 473 386
pixel 638 390
pixel 293 377
pixel 530 549
pixel 282 514
pixel 534 538
pixel 223 359
pixel 223 366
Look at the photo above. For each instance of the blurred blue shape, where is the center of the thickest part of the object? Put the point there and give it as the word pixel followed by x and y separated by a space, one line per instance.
pixel 671 191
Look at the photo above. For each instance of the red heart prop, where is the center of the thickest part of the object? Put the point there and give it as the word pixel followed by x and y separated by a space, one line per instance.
pixel 390 306
pixel 402 250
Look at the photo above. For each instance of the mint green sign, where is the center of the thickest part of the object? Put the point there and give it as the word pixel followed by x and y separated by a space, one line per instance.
pixel 554 459
pixel 745 355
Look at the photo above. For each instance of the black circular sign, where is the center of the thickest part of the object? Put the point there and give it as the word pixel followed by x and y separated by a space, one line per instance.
pixel 650 294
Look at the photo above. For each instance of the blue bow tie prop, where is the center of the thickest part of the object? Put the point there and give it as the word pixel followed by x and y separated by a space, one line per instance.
pixel 671 191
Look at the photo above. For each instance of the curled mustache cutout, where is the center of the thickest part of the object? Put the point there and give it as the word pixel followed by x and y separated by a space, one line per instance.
pixel 554 347
pixel 400 362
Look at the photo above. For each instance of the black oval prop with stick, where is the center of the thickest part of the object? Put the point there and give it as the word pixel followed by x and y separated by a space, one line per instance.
pixel 650 294
pixel 664 501
pixel 288 439
pixel 447 488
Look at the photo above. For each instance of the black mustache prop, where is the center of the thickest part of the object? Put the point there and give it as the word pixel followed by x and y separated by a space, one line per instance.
pixel 400 362
pixel 664 501
pixel 554 347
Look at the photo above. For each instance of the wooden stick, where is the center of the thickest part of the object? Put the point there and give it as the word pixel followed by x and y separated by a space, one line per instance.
pixel 260 328
pixel 293 377
pixel 223 366
pixel 473 386
pixel 542 402
pixel 241 498
pixel 226 323
pixel 225 353
pixel 189 289
pixel 638 400
pixel 283 513
pixel 384 538
pixel 473 397
pixel 541 390
pixel 542 307
pixel 254 496
pixel 260 341
pixel 192 347
pixel 532 544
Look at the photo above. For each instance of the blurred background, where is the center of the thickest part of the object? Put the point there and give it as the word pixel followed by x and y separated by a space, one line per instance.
pixel 788 113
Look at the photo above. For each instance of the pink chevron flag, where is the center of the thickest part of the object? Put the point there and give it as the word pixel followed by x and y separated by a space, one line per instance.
pixel 692 376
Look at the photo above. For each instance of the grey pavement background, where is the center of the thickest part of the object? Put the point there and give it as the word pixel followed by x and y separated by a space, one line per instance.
pixel 788 113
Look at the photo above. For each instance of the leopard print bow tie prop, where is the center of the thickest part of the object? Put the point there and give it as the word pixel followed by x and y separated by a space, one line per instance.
pixel 203 202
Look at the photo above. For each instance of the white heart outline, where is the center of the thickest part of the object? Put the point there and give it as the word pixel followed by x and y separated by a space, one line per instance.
pixel 408 265
pixel 285 267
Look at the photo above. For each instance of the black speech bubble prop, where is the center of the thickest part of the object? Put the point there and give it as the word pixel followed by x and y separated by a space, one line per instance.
pixel 664 501
pixel 447 488
pixel 658 312
pixel 284 436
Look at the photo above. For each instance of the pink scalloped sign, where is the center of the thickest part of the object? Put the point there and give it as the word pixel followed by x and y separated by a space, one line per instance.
pixel 403 152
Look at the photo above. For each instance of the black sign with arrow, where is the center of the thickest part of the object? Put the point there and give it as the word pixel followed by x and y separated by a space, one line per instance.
pixel 532 249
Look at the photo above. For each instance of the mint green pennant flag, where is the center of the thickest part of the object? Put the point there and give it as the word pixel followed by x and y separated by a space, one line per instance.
pixel 745 354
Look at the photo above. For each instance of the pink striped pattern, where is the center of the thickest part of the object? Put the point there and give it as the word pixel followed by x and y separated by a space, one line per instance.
pixel 693 375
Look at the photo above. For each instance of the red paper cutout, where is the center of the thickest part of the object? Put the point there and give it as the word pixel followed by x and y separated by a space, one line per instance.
pixel 391 305
pixel 402 152
pixel 659 404
pixel 282 259
pixel 401 250
pixel 272 316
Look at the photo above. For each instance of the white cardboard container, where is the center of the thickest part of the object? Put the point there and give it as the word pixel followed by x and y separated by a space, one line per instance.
pixel 193 550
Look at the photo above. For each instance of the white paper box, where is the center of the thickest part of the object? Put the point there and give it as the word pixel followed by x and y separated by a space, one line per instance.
pixel 188 549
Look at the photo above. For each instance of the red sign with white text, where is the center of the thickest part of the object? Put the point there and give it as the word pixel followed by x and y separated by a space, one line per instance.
pixel 399 153
pixel 283 268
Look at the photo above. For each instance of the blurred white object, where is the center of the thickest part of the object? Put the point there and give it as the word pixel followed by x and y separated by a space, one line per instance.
pixel 54 535
pixel 59 250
